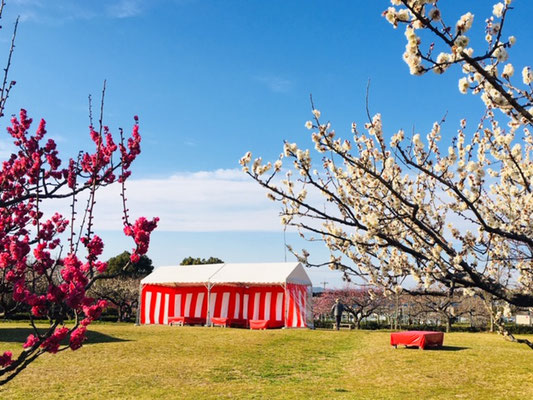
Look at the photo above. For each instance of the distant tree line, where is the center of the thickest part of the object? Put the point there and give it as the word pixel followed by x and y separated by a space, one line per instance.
pixel 200 261
pixel 373 307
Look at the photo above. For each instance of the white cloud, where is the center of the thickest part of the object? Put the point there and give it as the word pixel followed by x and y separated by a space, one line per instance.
pixel 53 12
pixel 204 201
pixel 125 8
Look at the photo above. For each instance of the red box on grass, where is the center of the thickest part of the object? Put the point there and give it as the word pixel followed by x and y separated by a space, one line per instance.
pixel 422 339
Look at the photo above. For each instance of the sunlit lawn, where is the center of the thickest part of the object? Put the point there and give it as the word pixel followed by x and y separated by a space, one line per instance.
pixel 124 361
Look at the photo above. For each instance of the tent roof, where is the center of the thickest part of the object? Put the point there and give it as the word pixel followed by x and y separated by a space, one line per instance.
pixel 229 273
pixel 182 274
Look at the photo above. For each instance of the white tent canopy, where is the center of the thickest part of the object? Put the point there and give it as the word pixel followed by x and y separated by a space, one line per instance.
pixel 229 273
pixel 183 274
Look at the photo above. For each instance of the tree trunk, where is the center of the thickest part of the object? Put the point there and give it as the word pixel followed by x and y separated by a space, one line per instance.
pixel 122 312
pixel 448 325
pixel 396 312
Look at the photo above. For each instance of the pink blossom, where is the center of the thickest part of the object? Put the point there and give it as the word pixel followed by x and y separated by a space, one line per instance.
pixel 93 312
pixel 52 344
pixel 5 359
pixel 31 341
pixel 77 337
pixel 27 238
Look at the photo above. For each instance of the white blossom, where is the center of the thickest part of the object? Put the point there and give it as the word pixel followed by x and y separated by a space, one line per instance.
pixel 434 14
pixel 501 54
pixel 465 22
pixel 497 10
pixel 403 15
pixel 246 159
pixel 527 75
pixel 463 85
pixel 462 41
pixel 508 71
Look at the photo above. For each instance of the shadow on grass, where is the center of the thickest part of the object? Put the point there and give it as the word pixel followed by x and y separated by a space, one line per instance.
pixel 439 348
pixel 19 335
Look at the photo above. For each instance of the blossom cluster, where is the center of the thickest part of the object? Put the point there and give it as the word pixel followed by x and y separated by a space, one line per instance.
pixel 405 209
pixel 140 232
pixel 487 73
pixel 32 266
pixel 390 224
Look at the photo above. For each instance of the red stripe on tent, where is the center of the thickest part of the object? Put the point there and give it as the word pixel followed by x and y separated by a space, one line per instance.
pixel 218 305
pixel 261 305
pixel 296 298
pixel 143 306
pixel 303 293
pixel 171 304
pixel 302 306
pixel 290 308
pixel 240 311
pixel 151 310
pixel 253 312
pixel 192 308
pixel 273 300
pixel 299 307
pixel 231 305
pixel 158 309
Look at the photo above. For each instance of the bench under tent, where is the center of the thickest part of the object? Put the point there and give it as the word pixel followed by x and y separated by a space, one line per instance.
pixel 264 295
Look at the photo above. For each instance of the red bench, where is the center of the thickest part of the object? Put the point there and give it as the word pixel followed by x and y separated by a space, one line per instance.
pixel 225 322
pixel 186 320
pixel 265 323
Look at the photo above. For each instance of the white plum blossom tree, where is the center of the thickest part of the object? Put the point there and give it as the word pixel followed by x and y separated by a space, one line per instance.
pixel 406 209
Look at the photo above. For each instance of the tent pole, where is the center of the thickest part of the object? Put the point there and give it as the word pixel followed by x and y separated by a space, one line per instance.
pixel 286 304
pixel 138 316
pixel 208 320
pixel 309 308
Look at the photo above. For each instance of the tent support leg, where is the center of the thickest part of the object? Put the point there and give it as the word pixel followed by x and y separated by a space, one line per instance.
pixel 286 305
pixel 138 316
pixel 208 319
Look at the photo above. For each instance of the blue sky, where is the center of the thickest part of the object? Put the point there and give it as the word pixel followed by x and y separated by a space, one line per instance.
pixel 211 80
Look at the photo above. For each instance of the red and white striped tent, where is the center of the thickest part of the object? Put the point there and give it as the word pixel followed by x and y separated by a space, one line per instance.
pixel 279 293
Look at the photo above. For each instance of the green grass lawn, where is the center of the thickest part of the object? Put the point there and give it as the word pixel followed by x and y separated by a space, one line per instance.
pixel 122 361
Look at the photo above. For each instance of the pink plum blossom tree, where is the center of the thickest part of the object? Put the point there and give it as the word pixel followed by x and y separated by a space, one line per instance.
pixel 49 262
pixel 405 209
pixel 359 302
